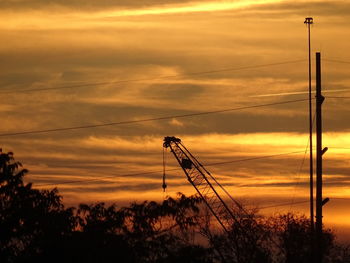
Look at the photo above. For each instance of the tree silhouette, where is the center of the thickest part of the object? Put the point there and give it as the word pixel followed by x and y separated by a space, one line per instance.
pixel 30 219
pixel 154 232
pixel 248 239
pixel 36 227
pixel 294 236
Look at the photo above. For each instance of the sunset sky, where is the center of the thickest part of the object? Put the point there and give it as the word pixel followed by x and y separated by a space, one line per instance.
pixel 72 63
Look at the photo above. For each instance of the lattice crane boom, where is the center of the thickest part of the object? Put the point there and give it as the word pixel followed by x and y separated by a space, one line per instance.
pixel 204 183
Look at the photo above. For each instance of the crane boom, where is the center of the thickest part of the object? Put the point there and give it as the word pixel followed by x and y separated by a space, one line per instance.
pixel 203 182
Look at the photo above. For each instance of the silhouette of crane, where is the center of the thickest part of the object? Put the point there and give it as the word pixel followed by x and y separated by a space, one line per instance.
pixel 202 180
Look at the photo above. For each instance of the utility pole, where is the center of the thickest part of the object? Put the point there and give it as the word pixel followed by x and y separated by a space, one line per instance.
pixel 319 153
pixel 309 21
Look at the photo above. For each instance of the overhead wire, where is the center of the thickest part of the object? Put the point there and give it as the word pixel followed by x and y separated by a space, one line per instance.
pixel 342 97
pixel 254 158
pixel 146 120
pixel 301 202
pixel 299 93
pixel 168 170
pixel 168 117
pixel 299 172
pixel 302 163
pixel 154 78
pixel 303 160
pixel 336 61
pixel 282 204
pixel 344 148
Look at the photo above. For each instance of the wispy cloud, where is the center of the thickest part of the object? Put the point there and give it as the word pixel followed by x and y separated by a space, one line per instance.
pixel 48 44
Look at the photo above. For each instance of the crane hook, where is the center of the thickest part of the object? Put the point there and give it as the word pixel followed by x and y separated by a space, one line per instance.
pixel 164 163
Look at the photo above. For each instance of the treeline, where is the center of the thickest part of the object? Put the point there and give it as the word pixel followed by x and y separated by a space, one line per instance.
pixel 36 227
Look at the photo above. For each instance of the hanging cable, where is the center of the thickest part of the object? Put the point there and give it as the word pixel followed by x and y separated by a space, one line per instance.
pixel 89 126
pixel 164 167
pixel 302 164
pixel 79 85
pixel 167 170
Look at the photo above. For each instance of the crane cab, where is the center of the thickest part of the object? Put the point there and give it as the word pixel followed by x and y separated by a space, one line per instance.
pixel 186 163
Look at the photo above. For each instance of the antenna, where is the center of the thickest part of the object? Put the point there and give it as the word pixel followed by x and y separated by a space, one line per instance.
pixel 309 21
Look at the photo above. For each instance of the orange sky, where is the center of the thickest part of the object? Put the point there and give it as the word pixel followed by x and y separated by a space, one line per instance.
pixel 49 44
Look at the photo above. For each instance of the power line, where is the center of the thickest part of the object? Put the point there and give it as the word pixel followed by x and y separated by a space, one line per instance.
pixel 297 93
pixel 302 162
pixel 145 120
pixel 332 97
pixel 344 148
pixel 337 61
pixel 168 170
pixel 299 172
pixel 56 88
pixel 300 202
pixel 254 158
pixel 153 78
pixel 101 178
pixel 335 147
pixel 283 204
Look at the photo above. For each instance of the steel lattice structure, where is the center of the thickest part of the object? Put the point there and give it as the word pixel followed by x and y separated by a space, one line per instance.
pixel 204 183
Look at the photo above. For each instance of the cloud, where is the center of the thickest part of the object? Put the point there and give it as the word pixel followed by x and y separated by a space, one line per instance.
pixel 176 122
pixel 317 8
pixel 161 45
pixel 89 5
pixel 137 7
